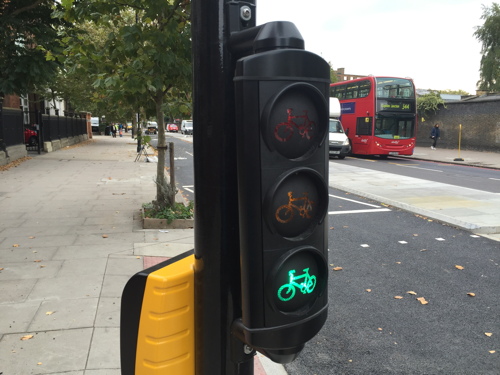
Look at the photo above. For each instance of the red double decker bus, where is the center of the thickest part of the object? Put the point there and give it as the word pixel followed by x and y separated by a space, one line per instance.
pixel 379 114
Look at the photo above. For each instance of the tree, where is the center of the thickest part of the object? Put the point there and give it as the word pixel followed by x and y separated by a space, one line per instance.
pixel 148 56
pixel 333 74
pixel 429 102
pixel 454 92
pixel 27 33
pixel 489 35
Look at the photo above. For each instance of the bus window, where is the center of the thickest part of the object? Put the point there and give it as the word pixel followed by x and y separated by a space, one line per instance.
pixel 393 128
pixel 351 91
pixel 394 88
pixel 364 89
pixel 338 92
pixel 364 126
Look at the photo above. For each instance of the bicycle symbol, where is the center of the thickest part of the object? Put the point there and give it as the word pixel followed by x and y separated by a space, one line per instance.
pixel 284 130
pixel 287 291
pixel 285 213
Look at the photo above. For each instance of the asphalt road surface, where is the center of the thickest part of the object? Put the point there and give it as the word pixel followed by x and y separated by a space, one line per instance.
pixel 377 325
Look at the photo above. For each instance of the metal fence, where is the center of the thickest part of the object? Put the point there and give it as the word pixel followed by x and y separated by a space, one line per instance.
pixel 11 127
pixel 48 127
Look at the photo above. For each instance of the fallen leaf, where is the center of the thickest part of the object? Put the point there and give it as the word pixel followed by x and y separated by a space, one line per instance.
pixel 415 235
pixel 398 262
pixel 42 266
pixel 337 268
pixel 27 337
pixel 380 329
pixel 331 264
pixel 1 268
pixel 471 294
pixel 368 290
pixel 49 312
pixel 459 267
pixel 489 334
pixel 39 363
pixel 398 297
pixel 412 293
pixel 423 250
pixel 422 300
pixel 492 351
pixel 31 237
pixel 104 236
pixel 15 245
pixel 332 228
pixel 37 260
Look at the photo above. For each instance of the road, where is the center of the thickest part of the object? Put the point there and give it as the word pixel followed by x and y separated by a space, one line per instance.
pixel 386 254
pixel 389 258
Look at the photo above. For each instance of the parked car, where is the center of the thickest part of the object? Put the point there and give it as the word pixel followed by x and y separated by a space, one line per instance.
pixel 187 127
pixel 172 128
pixel 30 137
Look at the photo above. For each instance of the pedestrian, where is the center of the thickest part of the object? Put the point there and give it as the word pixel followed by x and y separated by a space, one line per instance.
pixel 435 135
pixel 113 130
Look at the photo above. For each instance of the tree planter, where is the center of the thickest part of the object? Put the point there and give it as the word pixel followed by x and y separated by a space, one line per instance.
pixel 149 223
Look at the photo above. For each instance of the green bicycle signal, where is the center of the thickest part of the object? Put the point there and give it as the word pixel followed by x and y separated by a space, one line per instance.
pixel 287 291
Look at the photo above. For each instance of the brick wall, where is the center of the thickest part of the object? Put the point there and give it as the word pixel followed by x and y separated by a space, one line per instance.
pixel 480 121
pixel 11 101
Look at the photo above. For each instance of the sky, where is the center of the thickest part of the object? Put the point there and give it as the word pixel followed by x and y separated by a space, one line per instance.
pixel 430 41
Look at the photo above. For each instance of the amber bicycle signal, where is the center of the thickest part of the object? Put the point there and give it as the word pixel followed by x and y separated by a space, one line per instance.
pixel 285 213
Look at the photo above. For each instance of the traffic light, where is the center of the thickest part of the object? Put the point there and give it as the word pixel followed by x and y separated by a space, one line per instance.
pixel 281 99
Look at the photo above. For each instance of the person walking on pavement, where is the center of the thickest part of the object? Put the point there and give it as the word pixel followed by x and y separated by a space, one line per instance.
pixel 435 134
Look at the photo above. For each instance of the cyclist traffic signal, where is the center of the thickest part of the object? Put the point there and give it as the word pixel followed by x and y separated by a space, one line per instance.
pixel 281 94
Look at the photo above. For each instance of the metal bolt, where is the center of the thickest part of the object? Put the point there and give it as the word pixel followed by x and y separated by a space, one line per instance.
pixel 247 349
pixel 245 13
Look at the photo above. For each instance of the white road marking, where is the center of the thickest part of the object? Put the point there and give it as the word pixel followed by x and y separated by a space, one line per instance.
pixel 352 200
pixel 358 211
pixel 413 166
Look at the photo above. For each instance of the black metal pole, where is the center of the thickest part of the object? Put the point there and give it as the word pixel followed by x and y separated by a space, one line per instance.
pixel 217 279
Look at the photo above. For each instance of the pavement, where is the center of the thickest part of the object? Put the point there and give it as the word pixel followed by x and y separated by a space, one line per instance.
pixel 71 237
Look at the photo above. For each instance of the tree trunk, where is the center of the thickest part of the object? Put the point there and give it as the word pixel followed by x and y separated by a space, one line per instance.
pixel 165 194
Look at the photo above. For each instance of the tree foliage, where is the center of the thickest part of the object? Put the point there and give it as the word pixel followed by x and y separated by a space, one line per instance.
pixel 454 92
pixel 429 103
pixel 27 33
pixel 333 74
pixel 489 35
pixel 145 55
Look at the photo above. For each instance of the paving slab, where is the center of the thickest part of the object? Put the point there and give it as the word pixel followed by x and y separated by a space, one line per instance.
pixel 46 352
pixel 64 315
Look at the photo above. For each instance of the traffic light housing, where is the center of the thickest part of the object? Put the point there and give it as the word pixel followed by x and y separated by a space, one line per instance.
pixel 281 99
pixel 157 323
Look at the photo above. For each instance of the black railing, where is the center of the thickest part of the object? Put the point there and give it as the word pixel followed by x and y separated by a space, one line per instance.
pixel 51 127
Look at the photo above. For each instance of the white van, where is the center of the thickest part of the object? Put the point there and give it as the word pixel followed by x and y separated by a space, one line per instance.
pixel 94 122
pixel 187 127
pixel 152 127
pixel 338 143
